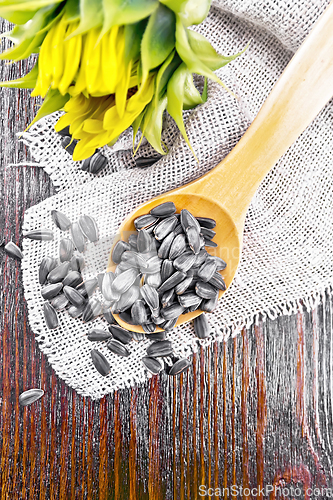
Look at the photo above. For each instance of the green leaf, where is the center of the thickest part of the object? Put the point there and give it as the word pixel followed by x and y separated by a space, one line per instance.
pixel 72 10
pixel 192 95
pixel 152 123
pixel 190 11
pixel 120 12
pixel 20 12
pixel 164 73
pixel 158 39
pixel 204 95
pixel 133 35
pixel 26 82
pixel 53 101
pixel 91 16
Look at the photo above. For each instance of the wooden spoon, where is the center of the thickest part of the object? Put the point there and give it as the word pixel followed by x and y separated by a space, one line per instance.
pixel 225 192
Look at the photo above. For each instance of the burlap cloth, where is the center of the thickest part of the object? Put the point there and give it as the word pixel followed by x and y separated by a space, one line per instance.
pixel 288 240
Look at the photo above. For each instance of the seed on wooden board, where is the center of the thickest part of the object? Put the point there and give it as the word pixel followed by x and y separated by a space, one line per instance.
pixel 92 309
pixel 50 315
pixel 58 273
pixel 208 305
pixel 30 396
pixel 150 296
pixel 128 298
pixel 168 297
pixel 88 287
pixel 126 316
pixel 193 239
pixel 164 249
pixel 164 209
pixel 77 263
pixel 100 362
pixel 152 364
pixel 76 312
pixel 119 248
pixel 139 313
pixel 167 269
pixel 60 220
pixel 201 326
pixel 95 163
pixel 117 348
pixel 68 144
pixel 73 279
pixel 144 241
pixel 210 243
pixel 78 237
pixel 40 235
pixel 89 227
pixel 74 296
pixel 166 226
pixel 138 336
pixel 119 333
pixel 64 132
pixel 172 311
pixel 218 281
pixel 178 246
pixel 107 288
pixel 220 264
pixel 124 281
pixel 205 290
pixel 170 324
pixel 154 280
pixel 189 299
pixel 50 291
pixel 13 250
pixel 200 258
pixel 149 327
pixel 172 281
pixel 145 221
pixel 107 313
pixel 66 249
pixel 184 262
pixel 160 348
pixel 188 220
pixel 45 267
pixel 207 269
pixel 179 366
pixel 207 233
pixel 60 302
pixel 98 334
pixel 206 222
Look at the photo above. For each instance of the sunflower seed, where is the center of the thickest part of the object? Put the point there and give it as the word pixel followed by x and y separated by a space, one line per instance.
pixel 65 132
pixel 76 312
pixel 218 281
pixel 60 302
pixel 128 298
pixel 68 144
pixel 74 296
pixel 207 233
pixel 92 309
pixel 178 229
pixel 123 266
pixel 200 258
pixel 124 281
pixel 156 337
pixel 138 336
pixel 97 334
pixel 206 222
pixel 133 240
pixel 164 249
pixel 153 280
pixel 189 299
pixel 170 324
pixel 109 316
pixel 60 220
pixel 210 243
pixel 171 282
pixel 95 163
pixel 124 336
pixel 152 364
pixel 220 264
pixel 160 348
pixel 89 227
pixel 30 396
pixel 144 241
pixel 158 320
pixel 208 305
pixel 168 297
pixel 50 291
pixel 187 220
pixel 201 326
pixel 77 263
pixel 100 362
pixel 119 248
pixel 167 269
pixel 66 249
pixel 149 327
pixel 193 239
pixel 139 313
pixel 73 279
pixel 58 273
pixel 184 262
pixel 78 237
pixel 153 265
pixel 117 348
pixel 100 278
pixel 172 311
pixel 183 285
pixel 178 246
pixel 45 267
pixel 13 250
pixel 107 289
pixel 164 209
pixel 166 226
pixel 205 290
pixel 145 221
pixel 50 315
pixel 207 270
pixel 40 235
pixel 179 366
pixel 88 287
pixel 151 297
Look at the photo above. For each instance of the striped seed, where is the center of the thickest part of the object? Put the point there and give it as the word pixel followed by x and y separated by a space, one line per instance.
pixel 119 248
pixel 145 221
pixel 179 366
pixel 158 336
pixel 40 235
pixel 143 241
pixel 210 243
pixel 164 249
pixel 50 291
pixel 206 222
pixel 76 312
pixel 149 328
pixel 45 267
pixel 153 280
pixel 164 209
pixel 73 279
pixel 205 290
pixel 66 249
pixel 92 309
pixel 168 297
pixel 88 287
pixel 200 258
pixel 184 262
pixel 208 305
pixel 60 302
pixel 58 273
pixel 100 362
pixel 128 298
pixel 74 296
pixel 193 239
pixel 160 348
pixel 30 396
pixel 170 324
pixel 201 326
pixel 107 288
pixel 13 250
pixel 97 334
pixel 166 226
pixel 220 264
pixel 207 233
pixel 171 282
pixel 117 348
pixel 119 333
pixel 124 281
pixel 207 270
pixel 218 281
pixel 78 237
pixel 189 299
pixel 50 315
pixel 77 263
pixel 139 313
pixel 150 296
pixel 138 336
pixel 187 220
pixel 167 269
pixel 60 220
pixel 152 364
pixel 183 285
pixel 89 227
pixel 107 313
pixel 178 246
pixel 172 311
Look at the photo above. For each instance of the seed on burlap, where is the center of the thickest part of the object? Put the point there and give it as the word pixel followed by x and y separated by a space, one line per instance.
pixel 146 161
pixel 119 248
pixel 193 239
pixel 207 269
pixel 206 222
pixel 160 348
pixel 170 324
pixel 207 233
pixel 167 269
pixel 50 291
pixel 128 298
pixel 166 226
pixel 200 258
pixel 149 327
pixel 171 282
pixel 218 281
pixel 208 305
pixel 172 311
pixel 168 297
pixel 45 267
pixel 98 334
pixel 89 227
pixel 164 249
pixel 179 366
pixel 145 221
pixel 187 220
pixel 178 246
pixel 124 281
pixel 13 250
pixel 60 220
pixel 78 237
pixel 117 348
pixel 30 396
pixel 60 302
pixel 139 313
pixel 153 280
pixel 107 313
pixel 138 336
pixel 66 249
pixel 77 263
pixel 50 315
pixel 150 296
pixel 92 309
pixel 74 296
pixel 143 241
pixel 119 333
pixel 58 273
pixel 76 312
pixel 157 336
pixel 95 163
pixel 73 279
pixel 201 326
pixel 100 362
pixel 40 235
pixel 205 290
pixel 107 288
pixel 68 144
pixel 184 262
pixel 189 299
pixel 164 209
pixel 88 287
pixel 152 364
pixel 210 243
pixel 183 285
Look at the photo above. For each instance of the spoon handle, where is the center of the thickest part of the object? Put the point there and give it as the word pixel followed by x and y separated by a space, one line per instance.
pixel 303 89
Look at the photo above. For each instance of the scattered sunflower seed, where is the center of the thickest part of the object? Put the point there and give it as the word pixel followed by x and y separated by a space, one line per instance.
pixel 107 288
pixel 95 163
pixel 76 312
pixel 168 297
pixel 87 288
pixel 207 233
pixel 119 248
pixel 50 291
pixel 166 226
pixel 100 362
pixel 220 264
pixel 164 209
pixel 183 285
pixel 89 227
pixel 184 262
pixel 77 263
pixel 60 302
pixel 97 334
pixel 150 296
pixel 66 249
pixel 163 251
pixel 60 220
pixel 30 396
pixel 218 281
pixel 145 221
pixel 139 313
pixel 200 258
pixel 138 336
pixel 143 241
pixel 208 305
pixel 170 324
pixel 119 333
pixel 144 162
pixel 73 279
pixel 40 235
pixel 68 144
pixel 193 238
pixel 92 309
pixel 187 220
pixel 13 250
pixel 210 243
pixel 167 269
pixel 45 267
pixel 128 298
pixel 157 336
pixel 124 281
pixel 178 246
pixel 152 364
pixel 201 326
pixel 50 315
pixel 205 290
pixel 160 349
pixel 189 299
pixel 172 311
pixel 74 296
pixel 207 269
pixel 109 316
pixel 117 348
pixel 78 237
pixel 171 282
pixel 149 327
pixel 179 366
pixel 206 222
pixel 153 280
pixel 58 273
